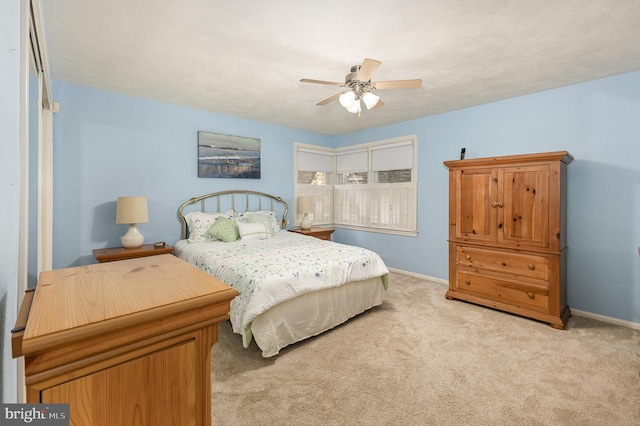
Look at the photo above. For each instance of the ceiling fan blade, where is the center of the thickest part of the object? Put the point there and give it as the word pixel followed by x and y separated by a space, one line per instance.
pixel 331 83
pixel 398 84
pixel 329 100
pixel 368 67
pixel 379 104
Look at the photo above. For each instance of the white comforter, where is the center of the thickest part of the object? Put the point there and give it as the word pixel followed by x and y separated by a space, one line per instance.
pixel 269 272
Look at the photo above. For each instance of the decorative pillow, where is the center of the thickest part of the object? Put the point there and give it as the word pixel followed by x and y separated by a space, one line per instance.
pixel 261 216
pixel 256 218
pixel 199 223
pixel 223 229
pixel 253 231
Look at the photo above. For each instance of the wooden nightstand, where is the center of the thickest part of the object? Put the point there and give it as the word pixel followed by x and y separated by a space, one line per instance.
pixel 120 253
pixel 322 233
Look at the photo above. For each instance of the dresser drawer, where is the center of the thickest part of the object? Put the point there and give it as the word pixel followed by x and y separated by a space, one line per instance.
pixel 515 264
pixel 518 294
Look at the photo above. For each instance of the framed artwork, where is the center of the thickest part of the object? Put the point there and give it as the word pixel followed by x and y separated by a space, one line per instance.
pixel 228 156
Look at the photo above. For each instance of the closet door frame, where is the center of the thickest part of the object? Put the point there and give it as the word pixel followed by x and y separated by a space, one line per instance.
pixel 36 186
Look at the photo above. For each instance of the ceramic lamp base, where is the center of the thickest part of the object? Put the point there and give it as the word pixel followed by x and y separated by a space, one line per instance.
pixel 306 222
pixel 133 238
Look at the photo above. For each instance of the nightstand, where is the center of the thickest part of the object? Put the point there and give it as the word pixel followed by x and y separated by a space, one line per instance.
pixel 120 253
pixel 321 233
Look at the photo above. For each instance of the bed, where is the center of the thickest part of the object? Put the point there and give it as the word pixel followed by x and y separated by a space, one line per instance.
pixel 291 286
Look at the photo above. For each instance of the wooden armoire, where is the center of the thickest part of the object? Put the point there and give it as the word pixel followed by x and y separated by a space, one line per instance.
pixel 507 234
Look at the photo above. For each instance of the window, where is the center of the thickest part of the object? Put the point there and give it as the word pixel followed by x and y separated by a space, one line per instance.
pixel 356 178
pixel 375 185
pixel 314 167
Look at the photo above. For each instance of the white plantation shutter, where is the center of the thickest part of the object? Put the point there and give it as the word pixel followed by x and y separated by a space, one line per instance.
pixel 380 206
pixel 340 205
pixel 351 204
pixel 392 206
pixel 361 205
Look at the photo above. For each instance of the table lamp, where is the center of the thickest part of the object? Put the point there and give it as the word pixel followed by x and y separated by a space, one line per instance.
pixel 306 205
pixel 132 210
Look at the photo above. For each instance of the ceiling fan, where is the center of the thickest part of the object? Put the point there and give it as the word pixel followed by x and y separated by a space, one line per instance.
pixel 361 87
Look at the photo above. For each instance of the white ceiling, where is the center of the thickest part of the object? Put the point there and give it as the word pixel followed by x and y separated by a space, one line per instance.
pixel 246 58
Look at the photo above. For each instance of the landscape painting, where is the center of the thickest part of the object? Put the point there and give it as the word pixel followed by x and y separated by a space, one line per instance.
pixel 228 156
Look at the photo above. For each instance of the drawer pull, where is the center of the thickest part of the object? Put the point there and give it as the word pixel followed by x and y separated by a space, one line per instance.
pixel 468 257
pixel 467 281
pixel 531 266
pixel 531 295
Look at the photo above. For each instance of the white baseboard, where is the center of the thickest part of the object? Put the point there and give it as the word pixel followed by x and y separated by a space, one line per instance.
pixel 577 312
pixel 423 277
pixel 610 320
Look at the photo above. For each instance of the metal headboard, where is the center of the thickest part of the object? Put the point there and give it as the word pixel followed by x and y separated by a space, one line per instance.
pixel 235 199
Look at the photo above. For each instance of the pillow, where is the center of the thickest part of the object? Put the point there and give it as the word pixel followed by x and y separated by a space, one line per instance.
pixel 263 216
pixel 253 231
pixel 199 223
pixel 223 229
pixel 255 218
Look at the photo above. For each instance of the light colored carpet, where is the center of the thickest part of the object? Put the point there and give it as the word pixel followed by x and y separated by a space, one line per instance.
pixel 420 359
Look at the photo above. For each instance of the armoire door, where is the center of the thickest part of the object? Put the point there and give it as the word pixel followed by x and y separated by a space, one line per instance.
pixel 523 201
pixel 475 212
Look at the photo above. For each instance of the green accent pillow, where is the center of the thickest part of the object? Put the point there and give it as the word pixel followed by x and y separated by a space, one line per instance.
pixel 224 229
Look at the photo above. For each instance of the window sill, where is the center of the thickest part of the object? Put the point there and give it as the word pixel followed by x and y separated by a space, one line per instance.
pixel 376 230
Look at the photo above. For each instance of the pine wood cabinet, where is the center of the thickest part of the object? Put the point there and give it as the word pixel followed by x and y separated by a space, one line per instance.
pixel 123 343
pixel 507 234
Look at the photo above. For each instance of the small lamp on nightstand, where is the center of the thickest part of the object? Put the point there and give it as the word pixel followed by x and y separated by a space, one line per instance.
pixel 306 205
pixel 132 210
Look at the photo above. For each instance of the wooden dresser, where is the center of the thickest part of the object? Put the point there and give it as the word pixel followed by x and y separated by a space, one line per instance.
pixel 507 234
pixel 123 342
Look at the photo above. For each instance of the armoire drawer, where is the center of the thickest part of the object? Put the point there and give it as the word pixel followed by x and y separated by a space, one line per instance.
pixel 514 293
pixel 516 264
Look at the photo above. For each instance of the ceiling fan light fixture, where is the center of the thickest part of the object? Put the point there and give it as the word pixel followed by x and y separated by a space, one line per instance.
pixel 359 86
pixel 370 100
pixel 347 99
pixel 355 107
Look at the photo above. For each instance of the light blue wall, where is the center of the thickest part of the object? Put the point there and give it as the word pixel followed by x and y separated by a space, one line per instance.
pixel 599 124
pixel 108 145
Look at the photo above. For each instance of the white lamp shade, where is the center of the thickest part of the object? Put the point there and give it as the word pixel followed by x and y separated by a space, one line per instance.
pixel 306 204
pixel 370 100
pixel 347 99
pixel 132 210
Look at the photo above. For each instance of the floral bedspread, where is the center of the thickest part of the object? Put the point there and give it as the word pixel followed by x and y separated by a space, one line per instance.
pixel 269 272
